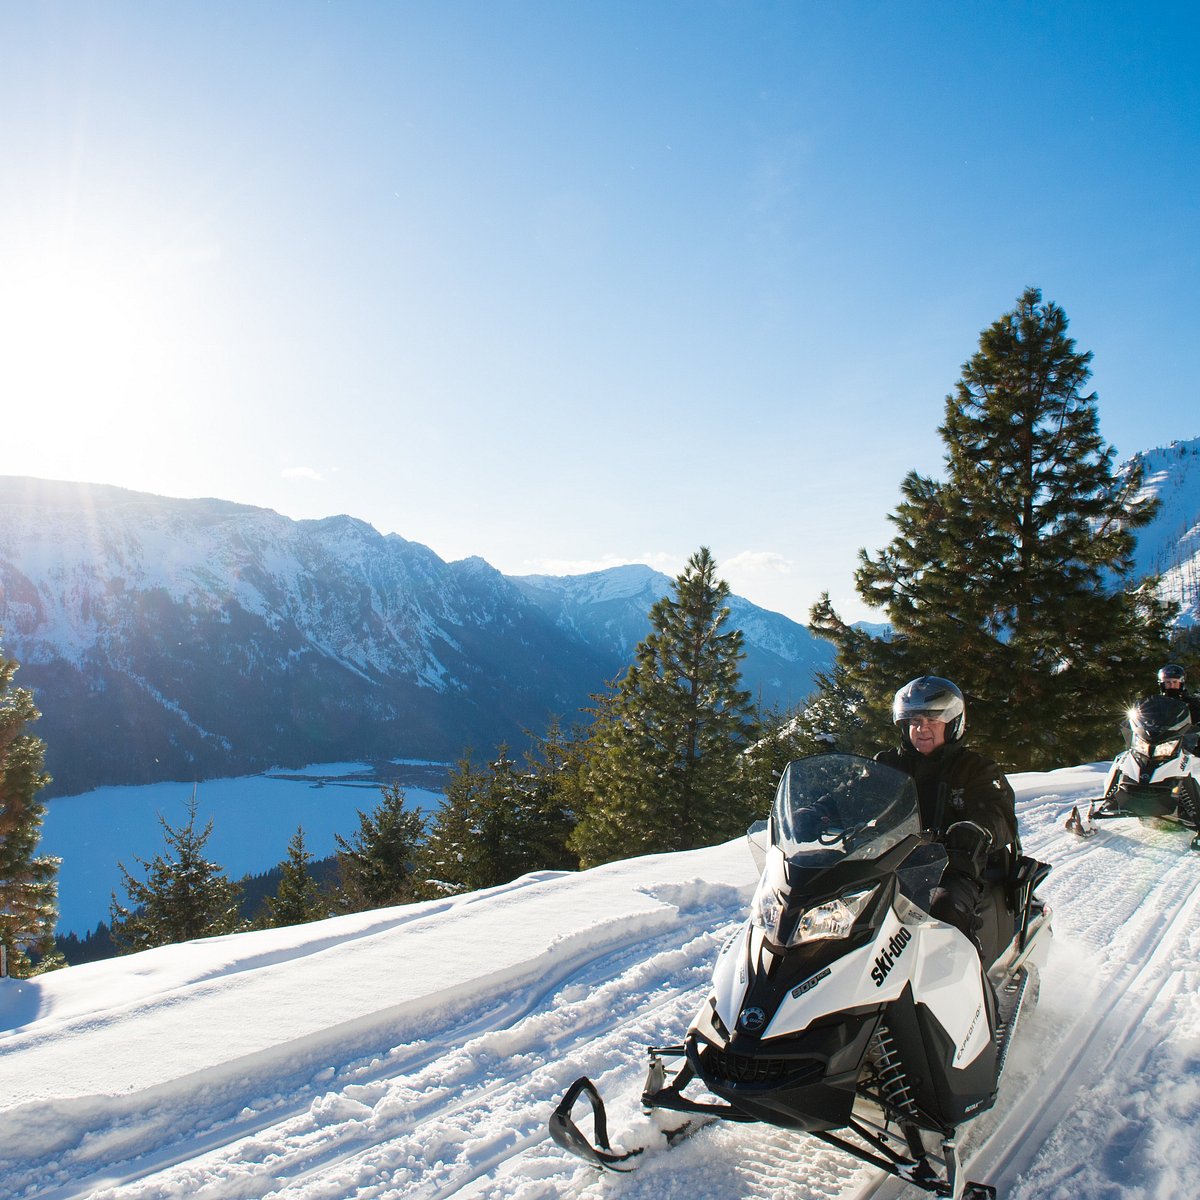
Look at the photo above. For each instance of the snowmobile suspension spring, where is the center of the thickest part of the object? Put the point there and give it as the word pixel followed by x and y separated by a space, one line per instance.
pixel 893 1083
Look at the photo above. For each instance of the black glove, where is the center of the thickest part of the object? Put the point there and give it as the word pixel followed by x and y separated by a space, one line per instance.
pixel 967 846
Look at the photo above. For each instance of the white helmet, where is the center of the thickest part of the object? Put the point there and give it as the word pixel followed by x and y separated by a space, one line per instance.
pixel 934 697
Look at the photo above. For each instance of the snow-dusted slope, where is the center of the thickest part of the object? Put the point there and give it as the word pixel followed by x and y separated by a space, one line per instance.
pixel 183 639
pixel 415 1052
pixel 609 609
pixel 1170 545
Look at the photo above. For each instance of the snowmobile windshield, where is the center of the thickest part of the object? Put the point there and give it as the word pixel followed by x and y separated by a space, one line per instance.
pixel 1160 719
pixel 836 807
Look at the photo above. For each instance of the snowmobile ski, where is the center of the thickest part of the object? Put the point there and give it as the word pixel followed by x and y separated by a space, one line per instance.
pixel 568 1135
pixel 1078 825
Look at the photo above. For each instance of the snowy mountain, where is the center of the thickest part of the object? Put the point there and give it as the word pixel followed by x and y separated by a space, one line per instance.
pixel 608 610
pixel 415 1052
pixel 176 639
pixel 1170 545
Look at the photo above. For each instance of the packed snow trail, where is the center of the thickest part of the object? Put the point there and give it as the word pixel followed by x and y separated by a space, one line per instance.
pixel 417 1052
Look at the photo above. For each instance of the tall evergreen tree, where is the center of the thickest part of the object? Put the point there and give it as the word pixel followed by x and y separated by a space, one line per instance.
pixel 183 896
pixel 1012 576
pixel 28 880
pixel 663 766
pixel 298 899
pixel 377 866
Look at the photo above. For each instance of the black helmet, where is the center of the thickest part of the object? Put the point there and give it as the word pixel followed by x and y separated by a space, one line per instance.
pixel 934 697
pixel 1172 673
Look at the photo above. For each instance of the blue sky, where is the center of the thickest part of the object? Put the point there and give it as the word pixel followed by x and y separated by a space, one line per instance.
pixel 571 284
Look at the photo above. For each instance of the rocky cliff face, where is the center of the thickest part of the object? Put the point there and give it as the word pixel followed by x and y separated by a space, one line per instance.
pixel 1170 545
pixel 178 639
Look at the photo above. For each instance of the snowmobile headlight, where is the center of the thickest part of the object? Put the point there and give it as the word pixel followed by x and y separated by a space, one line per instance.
pixel 766 909
pixel 833 919
pixel 1148 749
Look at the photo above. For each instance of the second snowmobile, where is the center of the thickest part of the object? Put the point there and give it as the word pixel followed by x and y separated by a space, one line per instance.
pixel 841 1008
pixel 1156 776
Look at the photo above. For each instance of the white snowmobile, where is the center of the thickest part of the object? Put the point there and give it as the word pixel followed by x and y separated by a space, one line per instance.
pixel 841 1008
pixel 1156 776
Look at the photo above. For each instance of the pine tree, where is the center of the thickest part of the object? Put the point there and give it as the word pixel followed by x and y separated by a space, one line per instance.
pixel 298 899
pixel 183 896
pixel 377 866
pixel 663 766
pixel 779 737
pixel 450 859
pixel 1012 577
pixel 551 783
pixel 501 822
pixel 28 880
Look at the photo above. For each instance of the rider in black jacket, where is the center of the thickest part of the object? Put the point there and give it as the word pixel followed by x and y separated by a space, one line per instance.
pixel 965 799
pixel 1171 682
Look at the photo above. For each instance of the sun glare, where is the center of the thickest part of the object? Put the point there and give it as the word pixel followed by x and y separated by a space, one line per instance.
pixel 83 367
pixel 78 332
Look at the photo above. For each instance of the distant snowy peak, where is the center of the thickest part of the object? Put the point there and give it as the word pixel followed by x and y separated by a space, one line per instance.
pixel 629 581
pixel 1170 545
pixel 610 608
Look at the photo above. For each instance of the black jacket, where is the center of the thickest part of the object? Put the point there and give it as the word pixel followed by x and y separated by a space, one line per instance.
pixel 957 784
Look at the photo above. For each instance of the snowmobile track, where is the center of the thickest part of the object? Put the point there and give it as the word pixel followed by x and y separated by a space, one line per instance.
pixel 310 1126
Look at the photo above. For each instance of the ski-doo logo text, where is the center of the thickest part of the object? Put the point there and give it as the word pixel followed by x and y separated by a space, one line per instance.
pixel 891 952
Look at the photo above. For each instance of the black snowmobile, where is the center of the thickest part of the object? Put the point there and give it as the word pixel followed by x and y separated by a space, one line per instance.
pixel 1156 776
pixel 841 1008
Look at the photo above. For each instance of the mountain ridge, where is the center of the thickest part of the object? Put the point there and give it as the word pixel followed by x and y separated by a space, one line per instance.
pixel 168 638
pixel 178 639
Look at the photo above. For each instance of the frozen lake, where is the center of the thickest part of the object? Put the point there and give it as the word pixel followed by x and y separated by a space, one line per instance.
pixel 254 818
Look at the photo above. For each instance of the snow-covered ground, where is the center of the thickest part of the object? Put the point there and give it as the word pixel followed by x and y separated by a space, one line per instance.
pixel 415 1052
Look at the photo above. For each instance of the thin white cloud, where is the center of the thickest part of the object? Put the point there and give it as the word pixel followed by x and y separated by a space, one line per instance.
pixel 758 562
pixel 309 473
